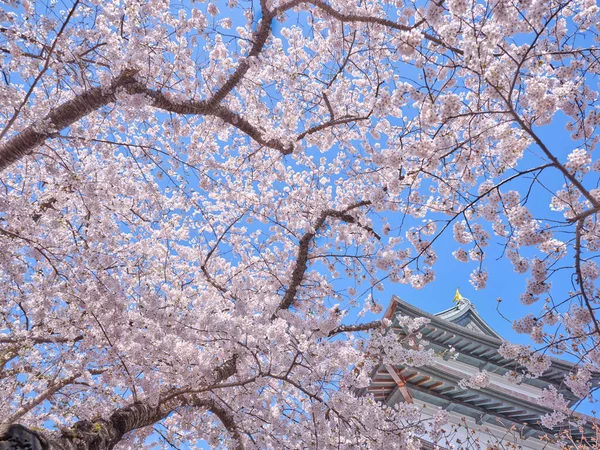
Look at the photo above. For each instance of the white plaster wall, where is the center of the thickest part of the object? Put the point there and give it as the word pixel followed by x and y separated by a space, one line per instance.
pixel 465 433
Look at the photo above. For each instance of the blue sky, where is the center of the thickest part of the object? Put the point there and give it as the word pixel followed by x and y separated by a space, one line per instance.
pixel 503 282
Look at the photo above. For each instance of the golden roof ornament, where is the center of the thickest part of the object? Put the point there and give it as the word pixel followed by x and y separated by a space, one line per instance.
pixel 459 299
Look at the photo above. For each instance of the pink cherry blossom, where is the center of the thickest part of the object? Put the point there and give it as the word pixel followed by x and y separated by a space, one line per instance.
pixel 204 207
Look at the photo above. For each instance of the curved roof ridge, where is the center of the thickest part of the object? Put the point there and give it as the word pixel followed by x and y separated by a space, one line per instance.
pixel 399 305
pixel 465 314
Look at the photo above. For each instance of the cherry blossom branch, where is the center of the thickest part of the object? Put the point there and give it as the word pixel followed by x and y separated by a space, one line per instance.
pixel 189 107
pixel 585 214
pixel 78 59
pixel 11 351
pixel 117 353
pixel 53 388
pixel 580 279
pixel 105 434
pixel 361 19
pixel 213 387
pixel 340 70
pixel 329 108
pixel 7 355
pixel 303 248
pixel 93 99
pixel 470 205
pixel 260 38
pixel 60 118
pixel 221 374
pixel 359 327
pixel 11 121
pixel 309 394
pixel 40 340
pixel 22 36
pixel 224 416
pixel 316 397
pixel 330 123
pixel 210 279
pixel 568 175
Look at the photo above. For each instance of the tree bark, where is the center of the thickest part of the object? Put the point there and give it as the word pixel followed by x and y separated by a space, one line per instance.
pixel 104 434
pixel 60 118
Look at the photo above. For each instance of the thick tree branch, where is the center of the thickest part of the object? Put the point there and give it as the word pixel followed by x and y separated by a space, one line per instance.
pixel 303 248
pixel 361 19
pixel 260 38
pixel 329 108
pixel 207 108
pixel 40 340
pixel 75 109
pixel 226 370
pixel 93 99
pixel 60 118
pixel 104 434
pixel 225 416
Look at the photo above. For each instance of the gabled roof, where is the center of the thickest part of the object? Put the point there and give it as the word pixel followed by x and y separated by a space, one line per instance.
pixel 465 315
pixel 477 343
pixel 477 346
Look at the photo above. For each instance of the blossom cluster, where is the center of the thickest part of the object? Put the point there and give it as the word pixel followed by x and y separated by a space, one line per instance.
pixel 554 400
pixel 535 363
pixel 478 380
pixel 202 203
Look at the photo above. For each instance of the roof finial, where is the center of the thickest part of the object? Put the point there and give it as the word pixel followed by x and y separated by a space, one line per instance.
pixel 458 298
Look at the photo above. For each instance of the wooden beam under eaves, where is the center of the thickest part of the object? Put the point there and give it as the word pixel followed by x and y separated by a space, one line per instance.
pixel 391 309
pixel 400 382
pixel 425 379
pixel 436 385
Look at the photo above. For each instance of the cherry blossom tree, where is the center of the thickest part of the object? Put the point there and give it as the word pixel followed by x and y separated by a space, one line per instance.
pixel 199 199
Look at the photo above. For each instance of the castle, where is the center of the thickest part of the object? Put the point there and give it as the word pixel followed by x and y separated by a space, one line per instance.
pixel 503 414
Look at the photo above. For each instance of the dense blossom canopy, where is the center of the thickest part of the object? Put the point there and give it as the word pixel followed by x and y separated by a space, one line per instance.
pixel 199 203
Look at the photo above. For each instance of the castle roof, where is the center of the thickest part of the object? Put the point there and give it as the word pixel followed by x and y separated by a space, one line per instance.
pixel 503 403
